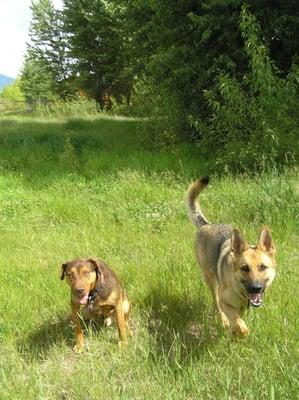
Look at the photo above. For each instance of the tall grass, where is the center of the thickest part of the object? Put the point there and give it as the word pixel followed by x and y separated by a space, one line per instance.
pixel 62 109
pixel 87 187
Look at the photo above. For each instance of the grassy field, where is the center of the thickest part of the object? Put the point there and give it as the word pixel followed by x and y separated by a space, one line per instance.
pixel 87 187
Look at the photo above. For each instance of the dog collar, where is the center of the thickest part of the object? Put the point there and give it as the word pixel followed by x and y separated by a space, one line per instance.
pixel 91 298
pixel 94 293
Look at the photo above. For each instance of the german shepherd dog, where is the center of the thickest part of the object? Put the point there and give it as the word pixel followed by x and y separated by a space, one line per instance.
pixel 96 288
pixel 236 272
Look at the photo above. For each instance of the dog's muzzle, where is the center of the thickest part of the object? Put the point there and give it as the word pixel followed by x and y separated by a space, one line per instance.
pixel 255 293
pixel 81 297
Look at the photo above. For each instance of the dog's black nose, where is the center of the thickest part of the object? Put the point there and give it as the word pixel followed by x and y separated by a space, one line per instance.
pixel 255 287
pixel 79 291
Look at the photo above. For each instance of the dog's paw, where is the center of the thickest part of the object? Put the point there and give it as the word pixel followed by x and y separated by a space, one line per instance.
pixel 224 321
pixel 122 343
pixel 108 321
pixel 240 329
pixel 78 348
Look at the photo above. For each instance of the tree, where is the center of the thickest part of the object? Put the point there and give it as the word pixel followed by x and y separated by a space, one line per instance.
pixel 46 70
pixel 193 59
pixel 97 47
pixel 36 79
pixel 187 44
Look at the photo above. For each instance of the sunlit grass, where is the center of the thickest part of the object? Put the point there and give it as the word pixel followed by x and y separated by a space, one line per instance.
pixel 82 188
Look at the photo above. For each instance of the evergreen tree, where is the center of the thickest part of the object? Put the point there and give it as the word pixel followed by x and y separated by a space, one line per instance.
pixel 36 79
pixel 46 71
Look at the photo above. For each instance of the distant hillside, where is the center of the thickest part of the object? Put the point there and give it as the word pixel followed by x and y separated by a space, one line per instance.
pixel 5 80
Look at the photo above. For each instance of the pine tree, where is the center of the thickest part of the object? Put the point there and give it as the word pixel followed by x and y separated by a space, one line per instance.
pixel 45 71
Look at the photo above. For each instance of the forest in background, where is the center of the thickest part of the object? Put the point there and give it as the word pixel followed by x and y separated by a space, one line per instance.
pixel 222 74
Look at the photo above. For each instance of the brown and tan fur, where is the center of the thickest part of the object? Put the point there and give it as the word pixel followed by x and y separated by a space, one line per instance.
pixel 236 273
pixel 93 279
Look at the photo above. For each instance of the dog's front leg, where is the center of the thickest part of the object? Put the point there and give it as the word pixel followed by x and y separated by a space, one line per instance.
pixel 238 326
pixel 79 341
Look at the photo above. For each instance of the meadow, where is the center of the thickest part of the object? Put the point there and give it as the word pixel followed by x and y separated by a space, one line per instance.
pixel 88 187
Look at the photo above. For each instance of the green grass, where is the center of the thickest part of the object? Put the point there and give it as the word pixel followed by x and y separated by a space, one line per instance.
pixel 87 187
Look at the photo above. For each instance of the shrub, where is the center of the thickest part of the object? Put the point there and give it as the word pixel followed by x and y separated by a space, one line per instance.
pixel 159 112
pixel 254 123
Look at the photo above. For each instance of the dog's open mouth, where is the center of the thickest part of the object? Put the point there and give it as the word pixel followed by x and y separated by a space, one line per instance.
pixel 83 299
pixel 255 299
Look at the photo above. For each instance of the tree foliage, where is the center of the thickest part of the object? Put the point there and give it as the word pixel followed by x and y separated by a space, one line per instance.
pixel 97 46
pixel 36 79
pixel 250 127
pixel 46 68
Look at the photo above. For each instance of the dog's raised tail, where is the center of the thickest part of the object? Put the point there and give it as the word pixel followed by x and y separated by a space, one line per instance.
pixel 192 205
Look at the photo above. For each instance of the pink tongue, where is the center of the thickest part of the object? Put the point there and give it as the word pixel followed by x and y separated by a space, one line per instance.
pixel 255 297
pixel 84 299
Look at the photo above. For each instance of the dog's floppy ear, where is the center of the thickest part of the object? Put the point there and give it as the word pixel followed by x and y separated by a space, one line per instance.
pixel 265 242
pixel 63 269
pixel 238 243
pixel 97 265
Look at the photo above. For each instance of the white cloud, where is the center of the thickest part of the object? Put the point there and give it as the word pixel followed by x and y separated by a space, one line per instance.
pixel 15 18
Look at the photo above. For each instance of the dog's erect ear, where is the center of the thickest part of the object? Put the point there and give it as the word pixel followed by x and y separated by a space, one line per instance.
pixel 63 269
pixel 238 244
pixel 97 265
pixel 265 242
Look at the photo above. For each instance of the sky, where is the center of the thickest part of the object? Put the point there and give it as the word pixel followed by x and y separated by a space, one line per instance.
pixel 15 18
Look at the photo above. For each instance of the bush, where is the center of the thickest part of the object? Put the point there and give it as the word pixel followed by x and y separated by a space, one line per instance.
pixel 159 113
pixel 254 123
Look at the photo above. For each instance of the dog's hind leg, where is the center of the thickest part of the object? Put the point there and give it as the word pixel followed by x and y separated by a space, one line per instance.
pixel 121 322
pixel 127 307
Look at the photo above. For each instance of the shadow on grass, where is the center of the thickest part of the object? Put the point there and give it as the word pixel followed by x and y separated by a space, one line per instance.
pixel 48 150
pixel 181 330
pixel 53 333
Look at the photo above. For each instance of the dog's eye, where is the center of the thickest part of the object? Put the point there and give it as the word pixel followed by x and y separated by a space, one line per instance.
pixel 245 268
pixel 263 267
pixel 70 275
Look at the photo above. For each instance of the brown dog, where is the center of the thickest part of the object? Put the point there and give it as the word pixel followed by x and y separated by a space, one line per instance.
pixel 236 273
pixel 95 287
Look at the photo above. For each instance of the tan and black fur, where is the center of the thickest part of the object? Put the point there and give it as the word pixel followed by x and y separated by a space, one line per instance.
pixel 236 273
pixel 97 289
